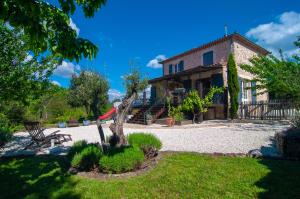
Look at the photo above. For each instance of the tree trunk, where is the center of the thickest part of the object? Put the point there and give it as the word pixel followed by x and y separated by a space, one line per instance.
pixel 117 126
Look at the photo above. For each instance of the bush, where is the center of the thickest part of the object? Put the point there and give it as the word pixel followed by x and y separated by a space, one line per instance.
pixel 144 140
pixel 5 130
pixel 88 158
pixel 120 160
pixel 77 148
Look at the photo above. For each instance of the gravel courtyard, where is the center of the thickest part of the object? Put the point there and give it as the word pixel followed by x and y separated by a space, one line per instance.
pixel 207 137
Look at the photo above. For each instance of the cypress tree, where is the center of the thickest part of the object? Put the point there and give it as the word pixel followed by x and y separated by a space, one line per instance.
pixel 233 86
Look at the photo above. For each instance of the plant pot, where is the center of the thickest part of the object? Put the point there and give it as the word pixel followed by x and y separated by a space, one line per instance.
pixel 149 122
pixel 86 122
pixel 179 123
pixel 170 121
pixel 61 125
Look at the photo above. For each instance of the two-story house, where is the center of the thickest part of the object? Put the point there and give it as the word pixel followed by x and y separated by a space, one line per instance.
pixel 206 66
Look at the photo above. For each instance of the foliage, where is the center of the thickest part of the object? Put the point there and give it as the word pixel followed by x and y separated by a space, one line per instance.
pixel 121 159
pixel 5 130
pixel 90 90
pixel 76 148
pixel 279 77
pixel 195 104
pixel 88 158
pixel 177 175
pixel 175 113
pixel 22 76
pixel 233 86
pixel 48 27
pixel 144 140
pixel 296 120
pixel 135 82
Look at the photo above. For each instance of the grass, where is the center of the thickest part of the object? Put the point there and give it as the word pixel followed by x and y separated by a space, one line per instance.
pixel 181 175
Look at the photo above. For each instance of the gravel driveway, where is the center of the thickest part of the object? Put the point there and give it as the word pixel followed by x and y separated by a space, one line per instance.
pixel 208 137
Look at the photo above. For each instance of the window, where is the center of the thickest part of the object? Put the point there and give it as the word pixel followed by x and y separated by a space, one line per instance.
pixel 244 91
pixel 181 66
pixel 208 58
pixel 170 69
pixel 176 68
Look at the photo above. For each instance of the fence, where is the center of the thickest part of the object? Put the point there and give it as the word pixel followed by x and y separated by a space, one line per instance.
pixel 268 110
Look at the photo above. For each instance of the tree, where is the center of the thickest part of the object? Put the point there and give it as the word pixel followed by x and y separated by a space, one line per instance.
pixel 134 83
pixel 48 26
pixel 233 87
pixel 197 105
pixel 280 77
pixel 22 76
pixel 90 90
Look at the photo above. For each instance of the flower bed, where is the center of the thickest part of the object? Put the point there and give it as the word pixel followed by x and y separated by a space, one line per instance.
pixel 114 160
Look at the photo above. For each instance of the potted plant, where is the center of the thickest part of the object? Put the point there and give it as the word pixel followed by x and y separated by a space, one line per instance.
pixel 61 122
pixel 86 122
pixel 170 118
pixel 178 115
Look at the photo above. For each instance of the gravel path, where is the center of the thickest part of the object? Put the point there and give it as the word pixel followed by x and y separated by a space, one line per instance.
pixel 208 137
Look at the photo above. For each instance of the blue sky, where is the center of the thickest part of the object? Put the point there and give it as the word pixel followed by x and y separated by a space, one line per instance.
pixel 127 30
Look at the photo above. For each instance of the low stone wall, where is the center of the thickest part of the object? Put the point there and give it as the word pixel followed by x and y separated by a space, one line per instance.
pixel 288 143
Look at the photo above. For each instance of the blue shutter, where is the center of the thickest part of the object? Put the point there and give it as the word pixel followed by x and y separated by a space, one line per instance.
pixel 170 69
pixel 217 81
pixel 181 66
pixel 253 91
pixel 208 58
pixel 241 90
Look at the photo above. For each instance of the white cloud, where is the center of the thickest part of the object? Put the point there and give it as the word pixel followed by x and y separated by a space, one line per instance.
pixel 114 94
pixel 279 34
pixel 73 26
pixel 66 69
pixel 154 63
pixel 56 83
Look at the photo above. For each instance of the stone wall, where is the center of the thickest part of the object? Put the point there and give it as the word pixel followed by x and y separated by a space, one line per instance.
pixel 193 60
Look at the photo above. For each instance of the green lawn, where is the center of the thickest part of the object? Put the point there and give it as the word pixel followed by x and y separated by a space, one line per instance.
pixel 184 175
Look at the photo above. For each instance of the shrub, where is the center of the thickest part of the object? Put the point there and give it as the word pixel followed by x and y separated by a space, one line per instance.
pixel 88 158
pixel 120 160
pixel 144 140
pixel 77 148
pixel 233 86
pixel 5 130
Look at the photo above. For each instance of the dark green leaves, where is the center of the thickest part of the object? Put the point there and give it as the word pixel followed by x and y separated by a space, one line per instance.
pixel 48 26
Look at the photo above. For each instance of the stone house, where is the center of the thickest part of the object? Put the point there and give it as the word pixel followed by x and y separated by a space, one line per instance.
pixel 206 66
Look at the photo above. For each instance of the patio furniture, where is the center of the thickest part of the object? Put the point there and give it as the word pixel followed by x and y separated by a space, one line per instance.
pixel 38 137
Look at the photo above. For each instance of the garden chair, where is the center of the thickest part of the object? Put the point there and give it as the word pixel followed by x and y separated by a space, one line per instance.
pixel 40 139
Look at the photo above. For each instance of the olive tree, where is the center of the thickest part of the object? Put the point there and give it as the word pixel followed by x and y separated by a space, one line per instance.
pixel 134 83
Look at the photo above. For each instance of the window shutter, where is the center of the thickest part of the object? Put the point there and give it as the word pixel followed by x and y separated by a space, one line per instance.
pixel 170 69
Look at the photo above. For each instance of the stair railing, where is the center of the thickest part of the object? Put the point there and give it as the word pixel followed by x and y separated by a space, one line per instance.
pixel 148 112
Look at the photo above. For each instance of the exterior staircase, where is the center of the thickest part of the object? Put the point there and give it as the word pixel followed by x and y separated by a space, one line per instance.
pixel 148 114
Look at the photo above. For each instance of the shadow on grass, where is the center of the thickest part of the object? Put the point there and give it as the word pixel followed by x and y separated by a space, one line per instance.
pixel 36 177
pixel 282 180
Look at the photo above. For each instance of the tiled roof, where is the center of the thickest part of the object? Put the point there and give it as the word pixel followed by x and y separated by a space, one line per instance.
pixel 234 36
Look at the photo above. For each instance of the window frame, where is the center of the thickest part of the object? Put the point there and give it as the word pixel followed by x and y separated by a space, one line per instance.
pixel 170 68
pixel 212 57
